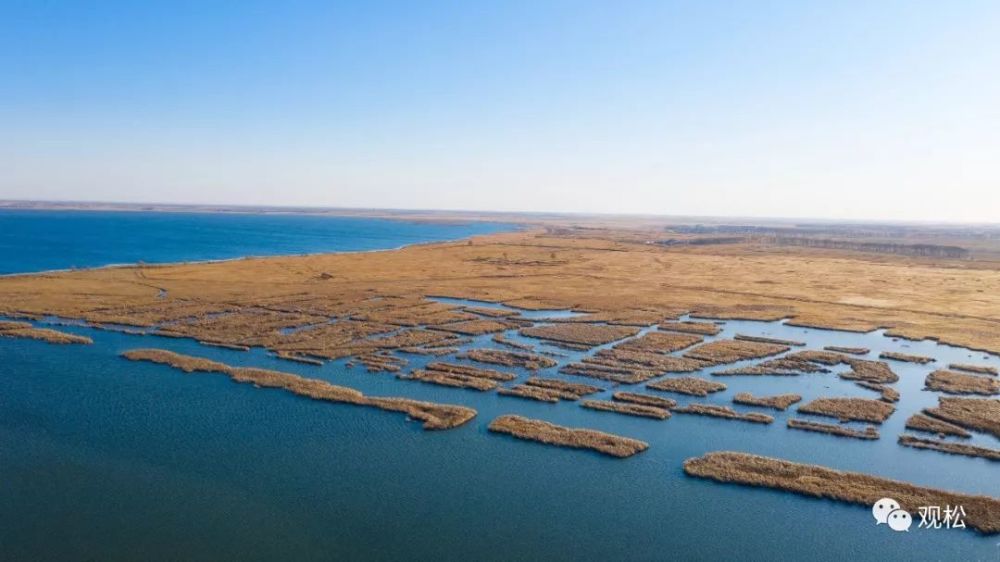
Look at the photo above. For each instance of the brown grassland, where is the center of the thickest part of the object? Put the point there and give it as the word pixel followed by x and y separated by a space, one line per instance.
pixel 981 512
pixel 778 402
pixel 596 270
pixel 847 409
pixel 27 331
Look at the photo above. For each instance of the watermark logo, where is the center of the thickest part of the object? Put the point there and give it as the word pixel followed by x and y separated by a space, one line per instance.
pixel 887 511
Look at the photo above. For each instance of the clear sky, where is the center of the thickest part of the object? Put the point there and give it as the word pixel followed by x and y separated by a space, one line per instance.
pixel 867 109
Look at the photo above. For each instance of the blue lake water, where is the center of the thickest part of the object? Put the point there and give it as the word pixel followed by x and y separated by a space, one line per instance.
pixel 101 458
pixel 44 240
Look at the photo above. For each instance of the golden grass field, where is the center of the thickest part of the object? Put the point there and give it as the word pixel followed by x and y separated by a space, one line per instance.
pixel 606 272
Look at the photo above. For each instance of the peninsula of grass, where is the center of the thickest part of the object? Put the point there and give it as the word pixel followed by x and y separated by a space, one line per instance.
pixel 981 512
pixel 724 412
pixel 522 359
pixel 850 409
pixel 433 415
pixel 950 447
pixel 833 429
pixel 777 402
pixel 627 408
pixel 921 422
pixel 951 382
pixel 692 386
pixel 906 357
pixel 978 369
pixel 560 436
pixel 644 399
pixel 980 414
pixel 27 331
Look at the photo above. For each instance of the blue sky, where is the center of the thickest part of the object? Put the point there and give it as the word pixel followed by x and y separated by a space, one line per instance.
pixel 812 109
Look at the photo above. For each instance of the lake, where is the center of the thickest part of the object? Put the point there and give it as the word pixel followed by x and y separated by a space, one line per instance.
pixel 102 458
pixel 44 240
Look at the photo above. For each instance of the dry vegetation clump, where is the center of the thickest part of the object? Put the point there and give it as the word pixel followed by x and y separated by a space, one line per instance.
pixel 500 339
pixel 382 361
pixel 720 352
pixel 980 414
pixel 906 357
pixel 691 386
pixel 787 366
pixel 981 512
pixel 27 331
pixel 877 372
pixel 490 312
pixel 701 328
pixel 433 415
pixel 476 327
pixel 580 335
pixel 762 339
pixel 449 379
pixel 848 350
pixel 978 369
pixel 724 412
pixel 627 408
pixel 833 429
pixel 571 387
pixel 949 447
pixel 889 394
pixel 537 393
pixel 659 342
pixel 778 402
pixel 460 376
pixel 291 357
pixel 920 422
pixel 577 438
pixel 630 367
pixel 530 361
pixel 644 399
pixel 823 357
pixel 957 383
pixel 847 409
pixel 435 351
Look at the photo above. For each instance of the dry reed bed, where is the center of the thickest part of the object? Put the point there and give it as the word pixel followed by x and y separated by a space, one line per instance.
pixel 720 352
pixel 500 339
pixel 724 412
pixel 476 327
pixel 691 386
pixel 580 335
pixel 701 328
pixel 577 438
pixel 627 408
pixel 433 415
pixel 659 342
pixel 978 369
pixel 776 341
pixel 27 331
pixel 921 422
pixel 906 357
pixel 564 386
pixel 536 393
pixel 490 312
pixel 951 382
pixel 888 394
pixel 777 402
pixel 981 512
pixel 522 359
pixel 949 447
pixel 788 366
pixel 630 367
pixel 848 350
pixel 850 409
pixel 833 429
pixel 980 414
pixel 644 399
pixel 459 376
pixel 877 372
